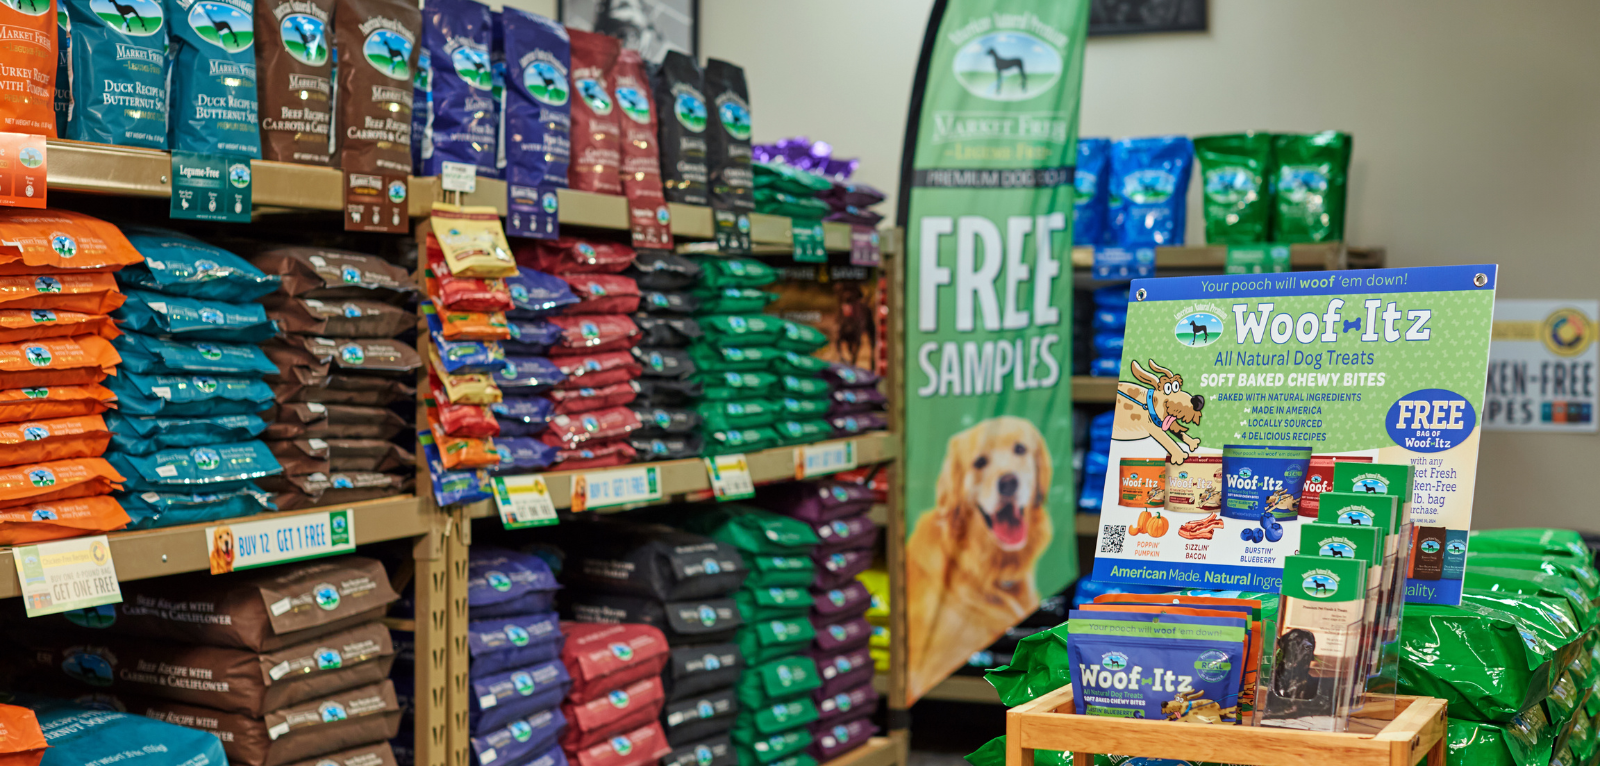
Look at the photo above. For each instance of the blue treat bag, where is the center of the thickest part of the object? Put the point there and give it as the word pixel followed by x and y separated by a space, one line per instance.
pixel 456 34
pixel 1157 666
pixel 534 373
pixel 1091 211
pixel 119 72
pixel 522 455
pixel 536 294
pixel 1150 190
pixel 213 58
pixel 451 487
pixel 538 121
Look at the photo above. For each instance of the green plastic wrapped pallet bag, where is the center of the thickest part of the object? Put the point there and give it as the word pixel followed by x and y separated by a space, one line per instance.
pixel 721 357
pixel 1312 176
pixel 1543 542
pixel 1525 741
pixel 1579 570
pixel 717 271
pixel 801 337
pixel 1534 584
pixel 731 300
pixel 1485 663
pixel 1551 618
pixel 1233 175
pixel 742 329
pixel 755 530
pixel 1039 665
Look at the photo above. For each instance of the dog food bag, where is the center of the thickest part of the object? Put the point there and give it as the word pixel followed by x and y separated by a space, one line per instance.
pixel 729 415
pixel 716 359
pixel 1535 583
pixel 668 303
pixel 1091 180
pixel 536 294
pixel 697 718
pixel 666 421
pixel 501 582
pixel 503 644
pixel 317 272
pixel 851 533
pixel 779 679
pixel 719 272
pixel 151 509
pixel 596 370
pixel 21 741
pixel 59 519
pixel 320 421
pixel 341 318
pixel 465 116
pixel 833 740
pixel 570 255
pixel 523 416
pixel 664 362
pixel 605 657
pixel 119 73
pixel 624 709
pixel 641 158
pixel 1315 660
pixel 1581 571
pixel 87 293
pixel 155 314
pixel 694 670
pixel 303 456
pixel 149 355
pixel 1235 172
pixel 755 530
pixel 538 115
pixel 60 242
pixel 84 734
pixel 177 264
pixel 377 754
pixel 501 698
pixel 213 78
pixel 188 395
pixel 743 329
pixel 377 43
pixel 839 567
pixel 728 151
pixel 734 385
pixel 645 745
pixel 732 300
pixel 716 750
pixel 1190 665
pixel 801 337
pixel 654 561
pixel 602 293
pixel 1486 663
pixel 33 42
pixel 1311 183
pixel 295 83
pixel 39 441
pixel 680 84
pixel 1319 479
pixel 783 748
pixel 850 401
pixel 1543 542
pixel 1525 741
pixel 36 483
pixel 770 639
pixel 842 671
pixel 858 701
pixel 1149 190
pixel 596 126
pixel 663 271
pixel 817 502
pixel 530 337
pixel 755 724
pixel 221 465
pixel 683 622
pixel 802 431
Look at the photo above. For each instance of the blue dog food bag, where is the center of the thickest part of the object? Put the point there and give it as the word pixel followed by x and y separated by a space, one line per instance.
pixel 538 121
pixel 151 510
pixel 188 395
pixel 456 35
pixel 119 72
pixel 221 466
pixel 155 356
pixel 501 582
pixel 81 735
pixel 157 314
pixel 497 79
pixel 1156 666
pixel 1150 190
pixel 422 110
pixel 1091 211
pixel 178 264
pixel 213 58
pixel 1259 480
pixel 144 435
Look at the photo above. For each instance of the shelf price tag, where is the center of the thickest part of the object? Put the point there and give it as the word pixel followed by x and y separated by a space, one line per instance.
pixel 808 245
pixel 864 246
pixel 733 231
pixel 376 202
pixel 730 477
pixel 251 544
pixel 65 575
pixel 532 211
pixel 23 169
pixel 1124 262
pixel 211 187
pixel 824 458
pixel 1256 259
pixel 458 177
pixel 619 486
pixel 524 501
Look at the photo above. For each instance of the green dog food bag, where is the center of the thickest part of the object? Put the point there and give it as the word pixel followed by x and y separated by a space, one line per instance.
pixel 1039 665
pixel 1233 174
pixel 718 271
pixel 740 440
pixel 780 571
pixel 742 413
pixel 803 431
pixel 1485 663
pixel 742 329
pixel 756 723
pixel 1565 697
pixel 1581 571
pixel 770 639
pixel 755 530
pixel 780 679
pixel 1551 618
pixel 801 337
pixel 723 357
pixel 1542 542
pixel 731 300
pixel 725 386
pixel 1525 741
pixel 757 604
pixel 803 365
pixel 1311 180
pixel 1534 584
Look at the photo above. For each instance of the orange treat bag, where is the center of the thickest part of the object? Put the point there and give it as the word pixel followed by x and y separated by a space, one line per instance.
pixel 17 325
pixel 60 519
pixel 57 480
pixel 34 242
pixel 474 325
pixel 56 362
pixel 40 441
pixel 94 293
pixel 19 404
pixel 462 451
pixel 22 743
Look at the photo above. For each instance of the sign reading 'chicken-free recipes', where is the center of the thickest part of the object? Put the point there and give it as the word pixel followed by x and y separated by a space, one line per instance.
pixel 1238 393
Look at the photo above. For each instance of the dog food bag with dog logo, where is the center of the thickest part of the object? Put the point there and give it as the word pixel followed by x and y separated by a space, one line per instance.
pixel 188 395
pixel 33 75
pixel 602 293
pixel 91 733
pixel 817 502
pixel 1543 542
pixel 1262 480
pixel 119 73
pixel 1149 190
pixel 754 724
pixel 213 77
pixel 56 362
pixel 1487 664
pixel 150 509
pixel 1157 666
pixel 641 160
pixel 58 519
pixel 653 561
pixel 605 657
pixel 694 670
pixel 1091 180
pixel 472 240
pixel 624 709
pixel 60 242
pixel 754 530
pixel 39 441
pixel 149 355
pixel 1235 182
pixel 1581 571
pixel 1311 181
pixel 502 582
pixel 780 679
pixel 537 111
pixel 295 84
pixel 1316 660
pixel 94 293
pixel 728 151
pixel 376 754
pixel 177 264
pixel 644 745
pixel 596 128
pixel 762 604
pixel 531 734
pixel 697 718
pixel 570 255
pixel 377 43
pixel 1525 741
pixel 155 314
pixel 501 698
pixel 499 645
pixel 222 466
pixel 317 272
pixel 680 86
pixel 465 116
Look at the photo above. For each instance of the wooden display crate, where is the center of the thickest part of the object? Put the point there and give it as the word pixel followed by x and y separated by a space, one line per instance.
pixel 1415 732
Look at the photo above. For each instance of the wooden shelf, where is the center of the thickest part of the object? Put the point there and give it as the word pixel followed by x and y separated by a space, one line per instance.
pixel 1093 389
pixel 971 689
pixel 878 751
pixel 1317 256
pixel 145 553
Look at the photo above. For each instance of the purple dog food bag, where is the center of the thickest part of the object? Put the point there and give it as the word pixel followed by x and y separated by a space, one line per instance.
pixel 817 502
pixel 840 567
pixel 456 35
pixel 843 670
pixel 842 603
pixel 538 121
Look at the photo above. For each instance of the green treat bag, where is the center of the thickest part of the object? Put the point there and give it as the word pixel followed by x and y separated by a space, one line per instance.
pixel 801 337
pixel 799 364
pixel 1525 741
pixel 742 329
pixel 780 571
pixel 1311 175
pixel 742 413
pixel 754 530
pixel 776 603
pixel 717 271
pixel 808 387
pixel 1039 665
pixel 1534 584
pixel 1542 542
pixel 1234 170
pixel 739 440
pixel 771 639
pixel 780 679
pixel 712 357
pixel 797 408
pixel 803 431
pixel 776 746
pixel 1483 662
pixel 787 178
pixel 731 300
pixel 735 385
pixel 756 723
pixel 747 758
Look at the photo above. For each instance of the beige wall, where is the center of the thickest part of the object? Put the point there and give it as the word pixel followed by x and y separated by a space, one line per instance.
pixel 1477 137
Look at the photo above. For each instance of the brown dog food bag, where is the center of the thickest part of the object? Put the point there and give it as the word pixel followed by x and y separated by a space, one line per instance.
pixel 20 404
pixel 56 362
pixel 333 488
pixel 648 218
pixel 376 754
pixel 385 356
pixel 605 657
pixel 29 77
pixel 37 483
pixel 342 318
pixel 377 42
pixel 596 131
pixel 60 519
pixel 303 456
pixel 41 441
pixel 320 272
pixel 94 293
pixel 310 420
pixel 34 242
pixel 294 83
pixel 18 325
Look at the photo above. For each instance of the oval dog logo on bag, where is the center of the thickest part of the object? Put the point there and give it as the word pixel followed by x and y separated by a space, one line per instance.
pixel 546 82
pixel 1320 584
pixel 517 635
pixel 332 711
pixel 622 651
pixel 326 596
pixel 222 25
pixel 306 38
pixel 389 52
pixel 471 63
pixel 30 7
pixel 140 18
pixel 1007 66
pixel 594 94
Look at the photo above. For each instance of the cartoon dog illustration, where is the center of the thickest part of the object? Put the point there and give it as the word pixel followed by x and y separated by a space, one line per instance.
pixel 1160 409
pixel 970 561
pixel 1189 707
pixel 222 550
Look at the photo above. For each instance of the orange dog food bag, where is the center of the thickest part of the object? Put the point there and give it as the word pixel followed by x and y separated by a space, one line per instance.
pixel 462 451
pixel 22 743
pixel 94 293
pixel 41 441
pixel 56 362
pixel 19 404
pixel 57 480
pixel 29 76
pixel 17 325
pixel 59 519
pixel 34 242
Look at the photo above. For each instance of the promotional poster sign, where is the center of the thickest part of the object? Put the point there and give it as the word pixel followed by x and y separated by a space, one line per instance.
pixel 242 545
pixel 986 204
pixel 1237 392
pixel 1544 367
pixel 211 187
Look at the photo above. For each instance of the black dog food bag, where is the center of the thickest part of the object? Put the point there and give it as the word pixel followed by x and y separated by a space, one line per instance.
pixel 295 81
pixel 119 65
pixel 728 154
pixel 679 86
pixel 213 80
pixel 377 45
pixel 538 121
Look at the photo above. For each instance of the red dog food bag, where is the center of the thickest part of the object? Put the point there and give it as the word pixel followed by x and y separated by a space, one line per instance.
pixel 596 133
pixel 571 431
pixel 646 744
pixel 94 293
pixel 570 255
pixel 572 401
pixel 600 455
pixel 56 362
pixel 475 420
pixel 29 77
pixel 57 480
pixel 590 333
pixel 34 242
pixel 602 293
pixel 18 325
pixel 60 519
pixel 648 217
pixel 40 441
pixel 19 404
pixel 463 293
pixel 603 657
pixel 619 711
pixel 596 370
pixel 22 743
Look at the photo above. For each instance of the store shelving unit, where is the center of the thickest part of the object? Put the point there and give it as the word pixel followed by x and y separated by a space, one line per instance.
pixel 1315 256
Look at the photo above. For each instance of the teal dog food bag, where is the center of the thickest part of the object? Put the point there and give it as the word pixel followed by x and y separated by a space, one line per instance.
pixel 119 72
pixel 213 80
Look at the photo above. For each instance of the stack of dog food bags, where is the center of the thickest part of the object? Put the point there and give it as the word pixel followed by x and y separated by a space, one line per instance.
pixel 339 375
pixel 52 732
pixel 775 689
pixel 682 584
pixel 799 169
pixel 1263 187
pixel 589 421
pixel 283 665
pixel 1091 206
pixel 668 394
pixel 854 402
pixel 836 513
pixel 736 358
pixel 187 430
pixel 1096 461
pixel 1109 322
pixel 783 189
pixel 514 638
pixel 56 291
pixel 616 694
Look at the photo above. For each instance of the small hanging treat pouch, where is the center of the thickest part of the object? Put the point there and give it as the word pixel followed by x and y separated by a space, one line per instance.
pixel 1149 190
pixel 156 314
pixel 378 42
pixel 1235 174
pixel 1312 180
pixel 213 77
pixel 119 73
pixel 680 88
pixel 1157 666
pixel 459 293
pixel 465 116
pixel 474 245
pixel 648 218
pixel 596 130
pixel 37 242
pixel 295 82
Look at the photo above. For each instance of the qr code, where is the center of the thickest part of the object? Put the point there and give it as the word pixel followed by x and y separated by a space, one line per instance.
pixel 1112 537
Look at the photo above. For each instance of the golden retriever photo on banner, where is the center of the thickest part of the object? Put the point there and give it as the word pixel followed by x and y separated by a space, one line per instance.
pixel 970 562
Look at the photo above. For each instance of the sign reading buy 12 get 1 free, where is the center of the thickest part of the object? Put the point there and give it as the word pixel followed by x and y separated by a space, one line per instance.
pixel 1385 366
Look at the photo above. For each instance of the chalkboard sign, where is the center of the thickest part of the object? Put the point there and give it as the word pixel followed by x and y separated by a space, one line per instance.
pixel 1135 17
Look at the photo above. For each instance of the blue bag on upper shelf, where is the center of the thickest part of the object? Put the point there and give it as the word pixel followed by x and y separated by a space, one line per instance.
pixel 188 395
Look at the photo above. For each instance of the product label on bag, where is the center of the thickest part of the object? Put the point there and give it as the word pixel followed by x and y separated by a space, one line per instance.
pixel 1256 259
pixel 23 169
